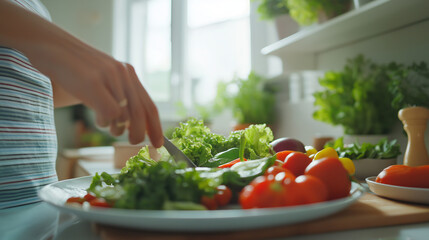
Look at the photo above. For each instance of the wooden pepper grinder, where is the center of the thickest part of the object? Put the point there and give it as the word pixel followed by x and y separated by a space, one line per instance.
pixel 415 121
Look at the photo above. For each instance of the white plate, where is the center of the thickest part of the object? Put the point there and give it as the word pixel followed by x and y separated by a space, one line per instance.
pixel 171 220
pixel 407 194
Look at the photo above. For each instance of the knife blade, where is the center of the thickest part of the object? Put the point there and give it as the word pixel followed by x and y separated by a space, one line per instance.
pixel 177 154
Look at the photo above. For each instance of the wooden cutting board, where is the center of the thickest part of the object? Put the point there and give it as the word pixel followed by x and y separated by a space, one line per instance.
pixel 369 211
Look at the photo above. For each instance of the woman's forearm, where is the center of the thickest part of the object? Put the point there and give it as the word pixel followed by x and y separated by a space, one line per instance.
pixel 32 35
pixel 78 71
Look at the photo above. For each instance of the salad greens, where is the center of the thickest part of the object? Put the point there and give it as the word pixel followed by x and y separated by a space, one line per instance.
pixel 201 145
pixel 152 186
pixel 223 157
pixel 382 150
pixel 165 184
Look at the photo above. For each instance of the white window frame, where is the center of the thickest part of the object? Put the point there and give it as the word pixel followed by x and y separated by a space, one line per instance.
pixel 181 84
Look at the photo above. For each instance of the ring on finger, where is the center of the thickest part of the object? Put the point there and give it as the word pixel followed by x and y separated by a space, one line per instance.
pixel 123 124
pixel 123 102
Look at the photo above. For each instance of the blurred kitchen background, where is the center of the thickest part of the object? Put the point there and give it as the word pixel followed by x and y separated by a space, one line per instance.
pixel 184 50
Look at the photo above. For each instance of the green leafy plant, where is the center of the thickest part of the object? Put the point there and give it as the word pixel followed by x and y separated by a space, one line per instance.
pixel 409 85
pixel 306 12
pixel 253 100
pixel 269 9
pixel 384 149
pixel 357 98
pixel 204 112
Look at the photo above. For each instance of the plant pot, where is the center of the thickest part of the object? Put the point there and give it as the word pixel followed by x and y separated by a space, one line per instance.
pixel 369 167
pixel 285 26
pixel 373 139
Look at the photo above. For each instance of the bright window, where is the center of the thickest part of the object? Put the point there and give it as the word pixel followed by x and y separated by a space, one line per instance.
pixel 181 49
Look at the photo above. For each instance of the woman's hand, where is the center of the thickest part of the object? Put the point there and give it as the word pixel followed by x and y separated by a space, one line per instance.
pixel 111 88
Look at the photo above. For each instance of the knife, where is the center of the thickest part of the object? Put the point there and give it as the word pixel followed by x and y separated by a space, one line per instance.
pixel 177 154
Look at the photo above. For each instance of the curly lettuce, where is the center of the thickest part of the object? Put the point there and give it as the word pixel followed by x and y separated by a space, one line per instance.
pixel 200 144
pixel 258 138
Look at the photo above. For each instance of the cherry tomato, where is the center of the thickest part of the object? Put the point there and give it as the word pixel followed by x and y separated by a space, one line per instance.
pixel 223 195
pixel 331 172
pixel 297 162
pixel 98 202
pixel 401 175
pixel 263 192
pixel 312 189
pixel 209 202
pixel 273 170
pixel 283 154
pixel 89 197
pixel 230 164
pixel 221 198
pixel 75 200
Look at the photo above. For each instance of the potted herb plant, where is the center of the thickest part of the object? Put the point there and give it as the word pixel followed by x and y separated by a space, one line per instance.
pixel 409 85
pixel 357 98
pixel 251 100
pixel 307 12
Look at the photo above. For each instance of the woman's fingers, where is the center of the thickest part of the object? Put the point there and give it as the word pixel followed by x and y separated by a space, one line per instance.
pixel 137 112
pixel 148 116
pixel 118 83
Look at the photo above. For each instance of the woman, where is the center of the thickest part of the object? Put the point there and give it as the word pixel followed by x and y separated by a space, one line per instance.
pixel 42 67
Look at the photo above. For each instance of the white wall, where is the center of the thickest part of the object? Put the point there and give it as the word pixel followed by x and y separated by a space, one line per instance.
pixel 89 20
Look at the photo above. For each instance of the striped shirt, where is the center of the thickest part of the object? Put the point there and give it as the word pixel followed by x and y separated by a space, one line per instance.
pixel 28 142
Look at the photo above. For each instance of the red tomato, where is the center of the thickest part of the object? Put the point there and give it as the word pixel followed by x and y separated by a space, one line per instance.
pixel 274 170
pixel 263 192
pixel 230 164
pixel 89 197
pixel 75 200
pixel 223 196
pixel 406 176
pixel 296 162
pixel 331 172
pixel 283 154
pixel 312 189
pixel 98 202
pixel 209 202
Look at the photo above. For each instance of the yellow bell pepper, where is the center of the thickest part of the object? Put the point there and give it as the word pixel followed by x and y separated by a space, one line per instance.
pixel 326 152
pixel 348 165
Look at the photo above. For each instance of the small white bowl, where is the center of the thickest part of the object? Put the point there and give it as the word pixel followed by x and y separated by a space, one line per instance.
pixel 407 194
pixel 368 167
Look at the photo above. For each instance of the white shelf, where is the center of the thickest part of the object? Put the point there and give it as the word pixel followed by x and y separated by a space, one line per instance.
pixel 375 18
